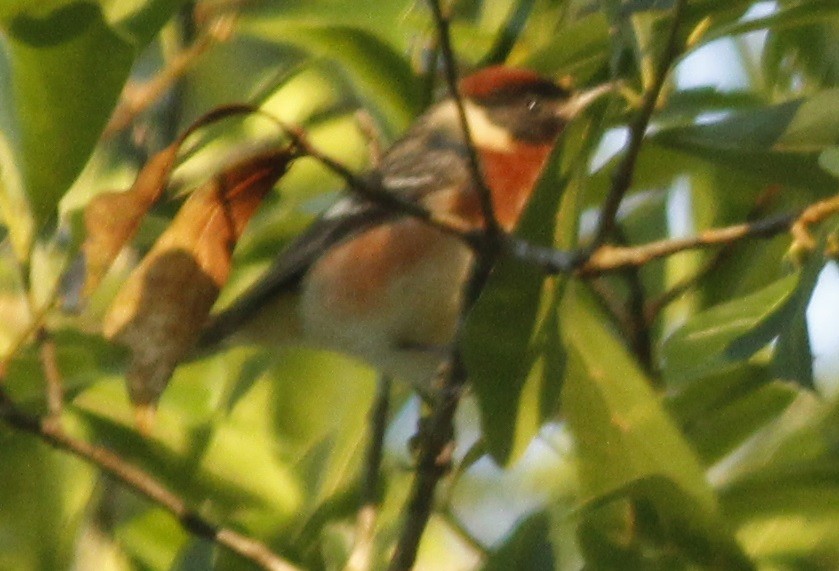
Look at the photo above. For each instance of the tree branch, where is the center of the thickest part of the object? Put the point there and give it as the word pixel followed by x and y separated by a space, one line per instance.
pixel 656 305
pixel 376 194
pixel 622 178
pixel 136 98
pixel 614 258
pixel 361 557
pixel 607 259
pixel 492 229
pixel 141 482
pixel 436 434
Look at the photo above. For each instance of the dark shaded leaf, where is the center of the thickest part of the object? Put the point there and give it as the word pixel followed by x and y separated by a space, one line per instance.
pixel 529 547
pixel 499 342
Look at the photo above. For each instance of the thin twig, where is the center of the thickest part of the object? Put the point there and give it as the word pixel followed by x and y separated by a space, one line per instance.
pixel 492 228
pixel 614 258
pixel 136 98
pixel 622 178
pixel 368 127
pixel 813 214
pixel 608 258
pixel 655 306
pixel 361 557
pixel 52 375
pixel 141 482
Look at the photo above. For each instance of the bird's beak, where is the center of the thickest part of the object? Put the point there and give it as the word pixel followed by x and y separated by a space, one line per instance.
pixel 580 100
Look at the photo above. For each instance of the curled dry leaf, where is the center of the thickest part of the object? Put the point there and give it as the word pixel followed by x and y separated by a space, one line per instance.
pixel 163 305
pixel 112 218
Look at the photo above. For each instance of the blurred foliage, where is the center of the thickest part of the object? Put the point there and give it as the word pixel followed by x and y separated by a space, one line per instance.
pixel 601 435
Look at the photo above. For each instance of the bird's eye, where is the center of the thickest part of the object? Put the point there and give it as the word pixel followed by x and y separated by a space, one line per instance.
pixel 532 104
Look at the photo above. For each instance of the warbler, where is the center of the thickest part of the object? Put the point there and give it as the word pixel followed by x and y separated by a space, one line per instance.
pixel 375 283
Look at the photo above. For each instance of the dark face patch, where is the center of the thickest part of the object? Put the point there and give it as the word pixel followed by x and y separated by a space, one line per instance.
pixel 530 110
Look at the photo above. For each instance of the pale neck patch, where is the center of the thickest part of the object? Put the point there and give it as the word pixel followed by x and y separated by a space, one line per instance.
pixel 485 133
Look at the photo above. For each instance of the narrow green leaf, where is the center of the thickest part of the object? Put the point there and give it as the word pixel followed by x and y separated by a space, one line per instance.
pixel 793 359
pixel 751 130
pixel 627 443
pixel 730 423
pixel 580 50
pixel 708 341
pixel 498 345
pixel 623 432
pixel 811 12
pixel 139 20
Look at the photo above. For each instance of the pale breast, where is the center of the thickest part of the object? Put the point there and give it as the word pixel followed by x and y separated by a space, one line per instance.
pixel 391 296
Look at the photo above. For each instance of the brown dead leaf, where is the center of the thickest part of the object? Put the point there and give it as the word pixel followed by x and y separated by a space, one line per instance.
pixel 161 309
pixel 112 218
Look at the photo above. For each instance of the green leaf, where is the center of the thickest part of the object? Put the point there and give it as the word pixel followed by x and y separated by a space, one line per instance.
pixel 140 20
pixel 499 345
pixel 510 346
pixel 737 418
pixel 803 125
pixel 829 160
pixel 788 512
pixel 779 143
pixel 579 51
pixel 793 359
pixel 528 548
pixel 708 342
pixel 67 72
pixel 751 130
pixel 627 443
pixel 811 12
pixel 382 75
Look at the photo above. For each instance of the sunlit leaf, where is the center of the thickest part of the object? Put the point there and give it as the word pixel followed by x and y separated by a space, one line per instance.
pixel 382 75
pixel 810 12
pixel 62 95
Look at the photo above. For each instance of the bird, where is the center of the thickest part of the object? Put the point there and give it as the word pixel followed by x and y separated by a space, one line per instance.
pixel 377 284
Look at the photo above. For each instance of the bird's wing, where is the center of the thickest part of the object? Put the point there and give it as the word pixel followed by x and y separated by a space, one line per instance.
pixel 345 218
pixel 414 167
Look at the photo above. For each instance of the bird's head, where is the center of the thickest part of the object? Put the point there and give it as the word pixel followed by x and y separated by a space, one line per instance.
pixel 520 103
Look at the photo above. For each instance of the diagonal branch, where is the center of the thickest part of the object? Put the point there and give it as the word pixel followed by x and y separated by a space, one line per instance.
pixel 142 483
pixel 376 194
pixel 492 228
pixel 622 178
pixel 435 439
pixel 361 557
pixel 614 258
pixel 656 305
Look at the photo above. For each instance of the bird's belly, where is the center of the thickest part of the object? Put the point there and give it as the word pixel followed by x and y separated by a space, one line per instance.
pixel 391 297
